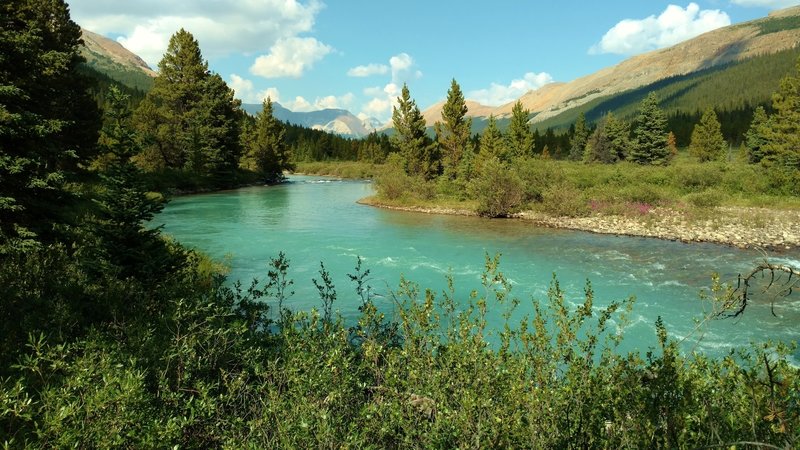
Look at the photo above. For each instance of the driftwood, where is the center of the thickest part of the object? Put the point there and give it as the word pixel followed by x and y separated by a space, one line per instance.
pixel 784 277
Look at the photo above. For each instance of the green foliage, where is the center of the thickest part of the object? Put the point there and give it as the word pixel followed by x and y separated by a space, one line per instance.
pixel 190 118
pixel 453 134
pixel 411 139
pixel 265 146
pixel 707 141
pixel 577 144
pixel 519 138
pixel 499 190
pixel 755 138
pixel 782 133
pixel 492 143
pixel 48 121
pixel 650 134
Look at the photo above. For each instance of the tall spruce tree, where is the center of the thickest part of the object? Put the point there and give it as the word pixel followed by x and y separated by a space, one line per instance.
pixel 519 138
pixel 782 134
pixel 577 144
pixel 598 146
pixel 650 134
pixel 707 143
pixel 48 121
pixel 265 145
pixel 453 134
pixel 190 118
pixel 755 137
pixel 419 152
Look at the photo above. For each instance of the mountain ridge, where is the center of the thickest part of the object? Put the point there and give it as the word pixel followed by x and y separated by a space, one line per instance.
pixel 332 120
pixel 778 31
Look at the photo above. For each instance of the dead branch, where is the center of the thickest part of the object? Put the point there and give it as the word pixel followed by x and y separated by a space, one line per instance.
pixel 738 300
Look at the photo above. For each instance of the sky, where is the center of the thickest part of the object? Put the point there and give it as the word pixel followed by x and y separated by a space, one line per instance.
pixel 356 54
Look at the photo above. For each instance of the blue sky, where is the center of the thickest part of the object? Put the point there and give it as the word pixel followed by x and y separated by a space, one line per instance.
pixel 355 54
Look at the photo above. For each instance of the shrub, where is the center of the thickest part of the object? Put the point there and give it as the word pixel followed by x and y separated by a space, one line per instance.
pixel 499 191
pixel 564 200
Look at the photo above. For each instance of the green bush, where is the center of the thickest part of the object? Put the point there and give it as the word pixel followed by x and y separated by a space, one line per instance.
pixel 499 191
pixel 707 199
pixel 564 200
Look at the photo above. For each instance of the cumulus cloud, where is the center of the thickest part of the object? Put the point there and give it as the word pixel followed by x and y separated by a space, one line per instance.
pixel 222 28
pixel 368 70
pixel 403 68
pixel 675 24
pixel 289 58
pixel 500 94
pixel 245 90
pixel 771 4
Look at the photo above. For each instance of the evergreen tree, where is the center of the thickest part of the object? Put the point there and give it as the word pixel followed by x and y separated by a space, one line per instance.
pixel 453 134
pixel 124 205
pixel 618 132
pixel 782 135
pixel 707 142
pixel 48 121
pixel 754 138
pixel 492 143
pixel 190 118
pixel 650 134
pixel 577 145
pixel 265 147
pixel 598 146
pixel 411 139
pixel 519 136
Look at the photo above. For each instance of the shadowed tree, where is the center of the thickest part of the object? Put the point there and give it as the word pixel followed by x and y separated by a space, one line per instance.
pixel 48 121
pixel 265 145
pixel 577 145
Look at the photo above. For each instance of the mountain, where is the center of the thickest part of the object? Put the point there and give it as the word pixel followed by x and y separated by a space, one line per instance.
pixel 337 121
pixel 778 32
pixel 110 58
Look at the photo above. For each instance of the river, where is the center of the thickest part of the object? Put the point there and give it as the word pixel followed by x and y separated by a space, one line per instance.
pixel 313 219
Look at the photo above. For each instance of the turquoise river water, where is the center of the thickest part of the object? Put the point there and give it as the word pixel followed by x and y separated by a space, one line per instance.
pixel 314 219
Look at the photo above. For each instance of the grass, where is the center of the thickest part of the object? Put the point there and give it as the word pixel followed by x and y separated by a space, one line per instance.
pixel 342 169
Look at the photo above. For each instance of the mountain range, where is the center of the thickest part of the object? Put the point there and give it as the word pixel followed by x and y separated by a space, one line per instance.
pixel 718 49
pixel 337 121
pixel 743 61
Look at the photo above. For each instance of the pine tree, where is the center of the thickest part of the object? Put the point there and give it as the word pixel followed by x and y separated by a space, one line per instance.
pixel 618 132
pixel 782 134
pixel 411 139
pixel 707 142
pixel 492 143
pixel 519 137
pixel 598 146
pixel 48 121
pixel 124 206
pixel 453 134
pixel 190 117
pixel 265 145
pixel 650 134
pixel 577 145
pixel 755 137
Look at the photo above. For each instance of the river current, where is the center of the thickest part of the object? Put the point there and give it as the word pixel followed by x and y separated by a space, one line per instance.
pixel 317 219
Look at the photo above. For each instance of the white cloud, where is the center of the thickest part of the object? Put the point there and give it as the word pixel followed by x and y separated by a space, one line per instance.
pixel 499 94
pixel 368 70
pixel 289 57
pixel 222 28
pixel 675 24
pixel 245 91
pixel 771 4
pixel 403 69
pixel 334 102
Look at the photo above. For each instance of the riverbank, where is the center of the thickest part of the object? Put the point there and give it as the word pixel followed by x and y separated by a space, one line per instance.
pixel 742 227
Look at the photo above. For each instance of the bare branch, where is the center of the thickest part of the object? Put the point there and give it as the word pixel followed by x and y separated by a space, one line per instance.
pixel 737 302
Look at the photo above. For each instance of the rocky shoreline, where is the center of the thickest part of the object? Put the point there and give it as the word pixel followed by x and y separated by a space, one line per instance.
pixel 768 229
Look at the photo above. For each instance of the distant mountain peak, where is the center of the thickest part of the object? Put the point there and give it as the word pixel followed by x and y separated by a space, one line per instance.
pixel 332 120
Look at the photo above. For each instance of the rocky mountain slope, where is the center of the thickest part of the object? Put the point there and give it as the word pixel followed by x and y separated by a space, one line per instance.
pixel 777 32
pixel 111 58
